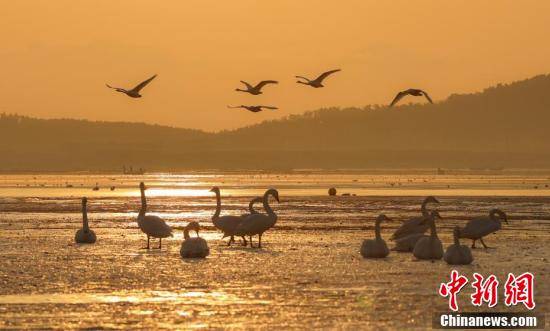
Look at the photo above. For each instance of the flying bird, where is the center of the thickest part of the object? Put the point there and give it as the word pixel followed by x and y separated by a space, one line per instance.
pixel 255 90
pixel 254 109
pixel 133 93
pixel 411 91
pixel 317 82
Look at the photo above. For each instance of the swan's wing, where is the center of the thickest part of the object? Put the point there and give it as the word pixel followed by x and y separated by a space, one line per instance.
pixel 269 107
pixel 155 227
pixel 478 227
pixel 326 74
pixel 254 109
pixel 265 82
pixel 233 107
pixel 143 84
pixel 427 96
pixel 248 86
pixel 304 78
pixel 412 226
pixel 398 97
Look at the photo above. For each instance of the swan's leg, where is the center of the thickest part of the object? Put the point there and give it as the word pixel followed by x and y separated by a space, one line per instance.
pixel 250 241
pixel 148 241
pixel 482 242
pixel 244 241
pixel 474 243
pixel 260 241
pixel 160 243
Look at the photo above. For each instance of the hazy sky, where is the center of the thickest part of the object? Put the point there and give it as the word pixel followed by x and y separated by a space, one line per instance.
pixel 57 55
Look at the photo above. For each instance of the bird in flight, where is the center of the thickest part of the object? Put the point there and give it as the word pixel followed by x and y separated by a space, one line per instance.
pixel 411 91
pixel 254 109
pixel 317 82
pixel 133 93
pixel 255 90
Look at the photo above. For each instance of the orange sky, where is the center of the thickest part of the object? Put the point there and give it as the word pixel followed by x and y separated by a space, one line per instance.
pixel 57 55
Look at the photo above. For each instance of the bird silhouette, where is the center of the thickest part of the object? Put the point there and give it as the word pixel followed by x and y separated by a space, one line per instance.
pixel 133 93
pixel 254 109
pixel 411 91
pixel 317 82
pixel 255 90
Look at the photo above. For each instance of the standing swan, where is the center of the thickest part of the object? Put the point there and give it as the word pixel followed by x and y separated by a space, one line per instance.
pixel 251 209
pixel 375 248
pixel 85 235
pixel 227 223
pixel 429 248
pixel 456 253
pixel 416 224
pixel 152 226
pixel 193 247
pixel 257 224
pixel 481 226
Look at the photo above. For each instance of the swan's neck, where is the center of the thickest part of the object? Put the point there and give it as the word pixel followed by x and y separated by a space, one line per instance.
pixel 186 234
pixel 493 216
pixel 267 208
pixel 423 209
pixel 377 230
pixel 218 206
pixel 85 225
pixel 143 204
pixel 433 231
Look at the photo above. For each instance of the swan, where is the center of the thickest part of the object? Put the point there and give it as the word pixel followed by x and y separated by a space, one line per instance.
pixel 413 92
pixel 152 226
pixel 85 235
pixel 375 248
pixel 255 90
pixel 228 223
pixel 257 224
pixel 317 82
pixel 254 109
pixel 456 253
pixel 193 247
pixel 407 243
pixel 482 226
pixel 416 224
pixel 251 209
pixel 133 93
pixel 429 248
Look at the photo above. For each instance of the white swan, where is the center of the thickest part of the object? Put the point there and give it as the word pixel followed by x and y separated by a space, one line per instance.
pixel 85 235
pixel 152 226
pixel 228 223
pixel 482 226
pixel 193 247
pixel 257 224
pixel 133 93
pixel 375 248
pixel 255 90
pixel 317 82
pixel 458 254
pixel 411 91
pixel 416 224
pixel 429 248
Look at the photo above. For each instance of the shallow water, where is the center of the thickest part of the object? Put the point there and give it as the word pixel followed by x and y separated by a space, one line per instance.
pixel 309 271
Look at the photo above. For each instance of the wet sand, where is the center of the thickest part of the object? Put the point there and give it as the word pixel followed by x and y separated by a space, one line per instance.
pixel 308 273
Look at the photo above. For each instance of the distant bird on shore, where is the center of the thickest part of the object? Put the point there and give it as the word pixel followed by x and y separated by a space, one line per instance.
pixel 254 109
pixel 193 247
pixel 376 248
pixel 85 235
pixel 133 93
pixel 152 226
pixel 458 254
pixel 482 226
pixel 255 90
pixel 317 82
pixel 413 92
pixel 96 187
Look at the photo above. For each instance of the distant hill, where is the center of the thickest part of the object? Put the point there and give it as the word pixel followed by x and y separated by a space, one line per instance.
pixel 502 126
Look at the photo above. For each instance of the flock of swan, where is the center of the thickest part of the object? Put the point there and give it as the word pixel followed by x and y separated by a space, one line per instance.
pixel 409 237
pixel 257 90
